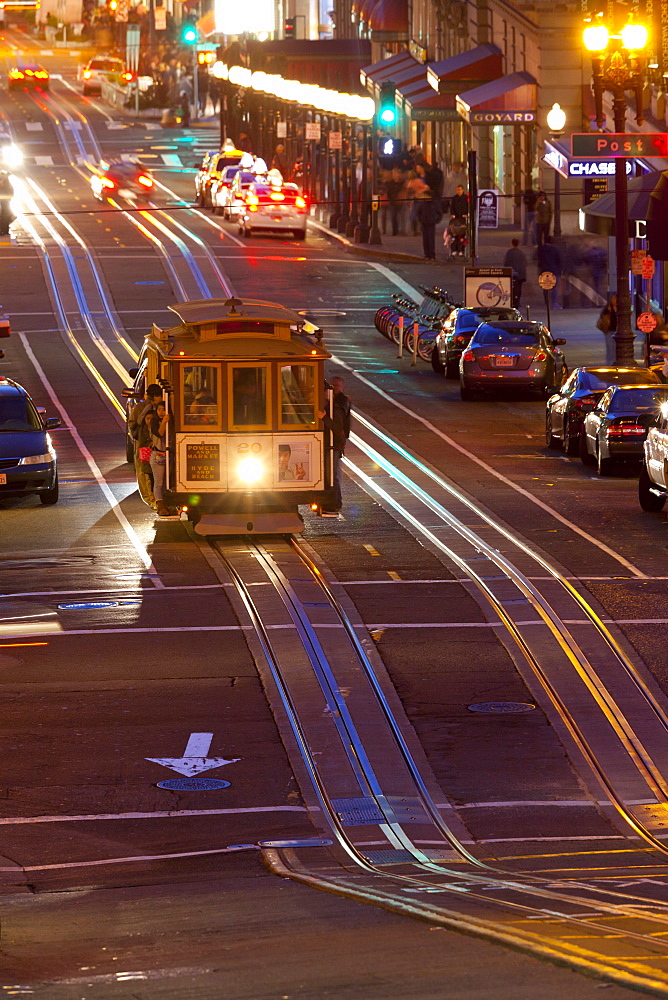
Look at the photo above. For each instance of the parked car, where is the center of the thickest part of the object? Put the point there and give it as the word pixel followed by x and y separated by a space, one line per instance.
pixel 220 190
pixel 579 394
pixel 653 482
pixel 616 428
pixel 99 68
pixel 28 462
pixel 211 170
pixel 511 355
pixel 457 330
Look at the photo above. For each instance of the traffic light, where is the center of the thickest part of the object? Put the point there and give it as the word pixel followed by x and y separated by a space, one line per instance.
pixel 387 112
pixel 289 26
pixel 188 33
pixel 389 147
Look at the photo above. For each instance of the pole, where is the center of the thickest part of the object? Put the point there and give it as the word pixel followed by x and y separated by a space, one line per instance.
pixel 195 87
pixel 415 344
pixel 361 234
pixel 557 203
pixel 546 296
pixel 401 337
pixel 624 334
pixel 374 234
pixel 473 203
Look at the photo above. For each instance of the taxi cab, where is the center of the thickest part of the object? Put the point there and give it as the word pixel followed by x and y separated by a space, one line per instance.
pixel 271 205
pixel 211 170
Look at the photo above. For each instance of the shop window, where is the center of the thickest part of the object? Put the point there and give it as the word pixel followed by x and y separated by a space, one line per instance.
pixel 249 396
pixel 297 394
pixel 200 392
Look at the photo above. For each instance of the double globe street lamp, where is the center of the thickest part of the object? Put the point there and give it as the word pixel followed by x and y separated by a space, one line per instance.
pixel 617 56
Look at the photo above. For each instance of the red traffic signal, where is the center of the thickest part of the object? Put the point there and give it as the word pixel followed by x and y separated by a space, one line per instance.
pixel 289 27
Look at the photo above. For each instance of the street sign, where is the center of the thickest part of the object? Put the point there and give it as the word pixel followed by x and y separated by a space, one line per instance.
pixel 312 130
pixel 648 267
pixel 281 130
pixel 335 140
pixel 608 145
pixel 547 280
pixel 646 322
pixel 637 257
pixel 488 210
pixel 195 757
pixel 160 18
pixel 132 38
pixel 487 286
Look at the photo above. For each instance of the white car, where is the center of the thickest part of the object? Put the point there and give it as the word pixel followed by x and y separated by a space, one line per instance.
pixel 242 181
pixel 275 208
pixel 98 69
pixel 220 191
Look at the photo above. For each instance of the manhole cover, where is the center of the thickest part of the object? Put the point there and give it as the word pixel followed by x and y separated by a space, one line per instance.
pixel 193 784
pixel 502 707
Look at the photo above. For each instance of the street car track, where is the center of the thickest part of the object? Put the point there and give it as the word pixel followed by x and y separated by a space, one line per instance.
pixel 349 738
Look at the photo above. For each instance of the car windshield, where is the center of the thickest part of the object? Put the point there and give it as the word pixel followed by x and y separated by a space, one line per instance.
pixel 16 414
pixel 638 399
pixel 493 335
pixel 598 382
pixel 245 178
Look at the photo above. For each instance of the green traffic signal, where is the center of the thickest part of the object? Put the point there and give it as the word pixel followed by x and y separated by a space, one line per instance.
pixel 387 112
pixel 189 34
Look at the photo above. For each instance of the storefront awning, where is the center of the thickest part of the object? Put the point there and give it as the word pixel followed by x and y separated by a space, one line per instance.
pixel 510 100
pixel 599 217
pixel 207 24
pixel 386 69
pixel 389 21
pixel 448 76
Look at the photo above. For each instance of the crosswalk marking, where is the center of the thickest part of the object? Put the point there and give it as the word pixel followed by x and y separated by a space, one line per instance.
pixel 44 161
pixel 34 126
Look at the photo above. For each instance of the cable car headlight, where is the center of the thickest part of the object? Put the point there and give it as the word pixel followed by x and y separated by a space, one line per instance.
pixel 12 156
pixel 250 470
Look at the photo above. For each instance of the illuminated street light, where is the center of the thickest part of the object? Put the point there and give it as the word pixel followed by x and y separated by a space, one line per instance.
pixel 617 66
pixel 556 122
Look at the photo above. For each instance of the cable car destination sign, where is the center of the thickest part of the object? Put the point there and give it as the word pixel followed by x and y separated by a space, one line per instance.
pixel 607 145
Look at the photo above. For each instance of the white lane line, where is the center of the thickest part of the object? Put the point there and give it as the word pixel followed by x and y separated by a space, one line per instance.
pixel 165 814
pixel 127 860
pixel 396 280
pixel 493 472
pixel 113 590
pixel 94 468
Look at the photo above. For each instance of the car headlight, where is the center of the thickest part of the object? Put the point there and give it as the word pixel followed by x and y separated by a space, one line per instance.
pixel 250 470
pixel 12 156
pixel 37 459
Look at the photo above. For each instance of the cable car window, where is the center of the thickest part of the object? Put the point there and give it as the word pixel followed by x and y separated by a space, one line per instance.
pixel 297 394
pixel 249 396
pixel 200 394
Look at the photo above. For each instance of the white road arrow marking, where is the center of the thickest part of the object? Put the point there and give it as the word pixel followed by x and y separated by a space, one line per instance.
pixel 195 757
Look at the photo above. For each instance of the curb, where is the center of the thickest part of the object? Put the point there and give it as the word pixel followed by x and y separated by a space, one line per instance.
pixel 363 251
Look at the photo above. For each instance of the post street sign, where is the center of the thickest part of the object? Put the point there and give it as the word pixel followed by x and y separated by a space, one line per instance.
pixel 547 280
pixel 615 144
pixel 312 130
pixel 647 322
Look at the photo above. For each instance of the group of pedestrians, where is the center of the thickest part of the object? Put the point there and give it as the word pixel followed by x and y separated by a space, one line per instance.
pixel 148 427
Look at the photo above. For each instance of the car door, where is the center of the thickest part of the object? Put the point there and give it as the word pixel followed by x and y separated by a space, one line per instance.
pixel 559 404
pixel 594 421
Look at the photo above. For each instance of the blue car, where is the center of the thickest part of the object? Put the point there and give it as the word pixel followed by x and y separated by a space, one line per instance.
pixel 28 461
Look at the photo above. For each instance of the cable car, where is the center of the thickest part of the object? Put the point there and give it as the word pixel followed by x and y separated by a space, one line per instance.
pixel 243 384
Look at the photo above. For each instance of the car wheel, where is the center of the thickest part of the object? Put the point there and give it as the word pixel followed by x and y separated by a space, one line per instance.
pixel 571 440
pixel 648 501
pixel 585 457
pixel 550 440
pixel 49 497
pixel 436 362
pixel 300 234
pixel 604 465
pixel 247 232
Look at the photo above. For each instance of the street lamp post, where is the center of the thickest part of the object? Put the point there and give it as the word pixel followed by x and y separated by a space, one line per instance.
pixel 556 122
pixel 617 66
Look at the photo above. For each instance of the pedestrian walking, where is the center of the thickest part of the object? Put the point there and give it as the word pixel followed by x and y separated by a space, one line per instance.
pixel 543 217
pixel 280 161
pixel 530 197
pixel 339 426
pixel 430 214
pixel 517 261
pixel 395 189
pixel 607 324
pixel 141 435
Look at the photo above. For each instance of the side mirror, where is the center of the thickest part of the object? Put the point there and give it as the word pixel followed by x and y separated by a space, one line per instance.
pixel 560 341
pixel 52 423
pixel 133 372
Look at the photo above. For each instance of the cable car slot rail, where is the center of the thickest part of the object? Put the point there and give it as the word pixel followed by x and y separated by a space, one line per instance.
pixel 568 668
pixel 358 771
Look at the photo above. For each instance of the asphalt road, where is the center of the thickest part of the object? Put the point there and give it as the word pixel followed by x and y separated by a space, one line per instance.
pixel 114 887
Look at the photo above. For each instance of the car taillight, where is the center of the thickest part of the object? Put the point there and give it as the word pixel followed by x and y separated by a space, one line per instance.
pixel 29 72
pixel 586 401
pixel 300 202
pixel 252 199
pixel 540 356
pixel 145 181
pixel 469 356
pixel 459 340
pixel 42 74
pixel 277 196
pixel 625 427
pixel 107 182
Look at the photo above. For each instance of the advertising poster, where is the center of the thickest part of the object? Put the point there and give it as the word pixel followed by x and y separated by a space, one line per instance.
pixel 487 286
pixel 488 210
pixel 293 461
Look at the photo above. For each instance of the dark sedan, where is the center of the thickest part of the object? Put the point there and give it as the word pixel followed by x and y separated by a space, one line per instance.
pixel 30 75
pixel 517 355
pixel 579 394
pixel 616 428
pixel 457 330
pixel 27 456
pixel 121 177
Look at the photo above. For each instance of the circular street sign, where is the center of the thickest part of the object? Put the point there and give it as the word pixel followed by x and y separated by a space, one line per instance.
pixel 647 322
pixel 547 280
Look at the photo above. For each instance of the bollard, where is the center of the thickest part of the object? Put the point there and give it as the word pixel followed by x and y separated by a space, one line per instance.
pixel 401 337
pixel 415 344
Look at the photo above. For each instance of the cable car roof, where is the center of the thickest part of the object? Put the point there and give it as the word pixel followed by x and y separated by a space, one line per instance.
pixel 197 311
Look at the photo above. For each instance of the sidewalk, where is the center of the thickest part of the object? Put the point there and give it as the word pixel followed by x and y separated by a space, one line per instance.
pixel 586 344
